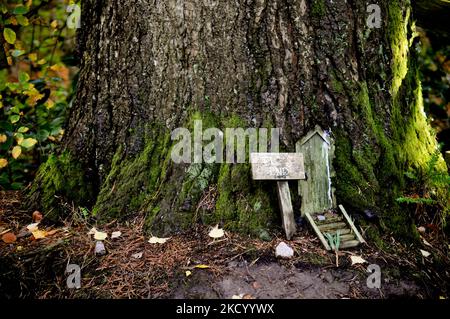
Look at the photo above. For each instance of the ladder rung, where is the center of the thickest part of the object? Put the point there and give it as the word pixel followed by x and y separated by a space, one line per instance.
pixel 348 244
pixel 325 227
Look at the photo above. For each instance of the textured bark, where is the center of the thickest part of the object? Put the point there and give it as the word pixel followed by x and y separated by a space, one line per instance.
pixel 151 66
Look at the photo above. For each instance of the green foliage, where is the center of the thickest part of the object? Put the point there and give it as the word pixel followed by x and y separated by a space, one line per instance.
pixel 434 61
pixel 334 240
pixel 429 187
pixel 35 85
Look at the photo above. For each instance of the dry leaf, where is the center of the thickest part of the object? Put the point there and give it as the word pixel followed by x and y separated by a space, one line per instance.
pixel 37 217
pixel 100 235
pixel 33 227
pixel 39 234
pixel 9 238
pixel 426 243
pixel 156 240
pixel 202 266
pixel 425 253
pixel 357 260
pixel 188 273
pixel 52 232
pixel 5 231
pixel 256 285
pixel 92 231
pixel 116 234
pixel 137 255
pixel 216 232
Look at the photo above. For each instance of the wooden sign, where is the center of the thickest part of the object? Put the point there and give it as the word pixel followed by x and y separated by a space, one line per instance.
pixel 277 166
pixel 280 167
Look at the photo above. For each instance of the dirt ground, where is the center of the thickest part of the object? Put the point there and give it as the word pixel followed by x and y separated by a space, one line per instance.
pixel 193 265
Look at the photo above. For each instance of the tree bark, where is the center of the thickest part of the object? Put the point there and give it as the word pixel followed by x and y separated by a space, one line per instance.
pixel 151 66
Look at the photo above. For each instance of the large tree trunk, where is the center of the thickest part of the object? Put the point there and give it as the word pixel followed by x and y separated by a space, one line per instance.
pixel 151 66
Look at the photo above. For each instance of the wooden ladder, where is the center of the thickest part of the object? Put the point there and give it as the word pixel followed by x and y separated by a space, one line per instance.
pixel 335 222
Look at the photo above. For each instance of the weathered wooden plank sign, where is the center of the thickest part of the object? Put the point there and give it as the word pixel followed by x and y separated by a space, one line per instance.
pixel 280 167
pixel 277 166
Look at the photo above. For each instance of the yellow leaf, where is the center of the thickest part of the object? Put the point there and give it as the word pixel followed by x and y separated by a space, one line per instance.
pixel 188 273
pixel 3 138
pixel 201 266
pixel 54 24
pixel 32 57
pixel 19 138
pixel 39 234
pixel 42 61
pixel 49 104
pixel 16 151
pixel 100 235
pixel 1 104
pixel 9 60
pixel 3 162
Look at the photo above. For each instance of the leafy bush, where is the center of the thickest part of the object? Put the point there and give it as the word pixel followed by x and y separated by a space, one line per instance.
pixel 430 192
pixel 35 85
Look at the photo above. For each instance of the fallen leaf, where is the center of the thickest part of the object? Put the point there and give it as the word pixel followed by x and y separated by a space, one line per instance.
pixel 39 234
pixel 33 227
pixel 425 253
pixel 9 238
pixel 202 266
pixel 426 243
pixel 357 260
pixel 256 285
pixel 5 231
pixel 216 232
pixel 100 235
pixel 19 248
pixel 156 240
pixel 137 255
pixel 37 216
pixel 92 231
pixel 52 232
pixel 116 234
pixel 188 273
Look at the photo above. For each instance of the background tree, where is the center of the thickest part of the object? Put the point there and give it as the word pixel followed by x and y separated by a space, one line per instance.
pixel 148 67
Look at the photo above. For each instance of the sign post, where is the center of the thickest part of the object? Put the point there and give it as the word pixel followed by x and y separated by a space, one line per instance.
pixel 280 167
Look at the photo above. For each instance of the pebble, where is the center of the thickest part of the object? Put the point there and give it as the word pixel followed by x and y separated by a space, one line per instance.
pixel 100 248
pixel 284 251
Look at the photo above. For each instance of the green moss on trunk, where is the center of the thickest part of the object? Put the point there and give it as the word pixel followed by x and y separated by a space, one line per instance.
pixel 61 180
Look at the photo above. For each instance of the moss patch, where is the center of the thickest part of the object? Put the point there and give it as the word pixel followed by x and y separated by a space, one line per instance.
pixel 60 180
pixel 131 180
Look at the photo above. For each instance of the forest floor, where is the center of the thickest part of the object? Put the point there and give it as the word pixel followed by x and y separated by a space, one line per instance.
pixel 193 265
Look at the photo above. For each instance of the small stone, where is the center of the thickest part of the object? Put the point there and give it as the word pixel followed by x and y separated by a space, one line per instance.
pixel 284 251
pixel 137 255
pixel 100 248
